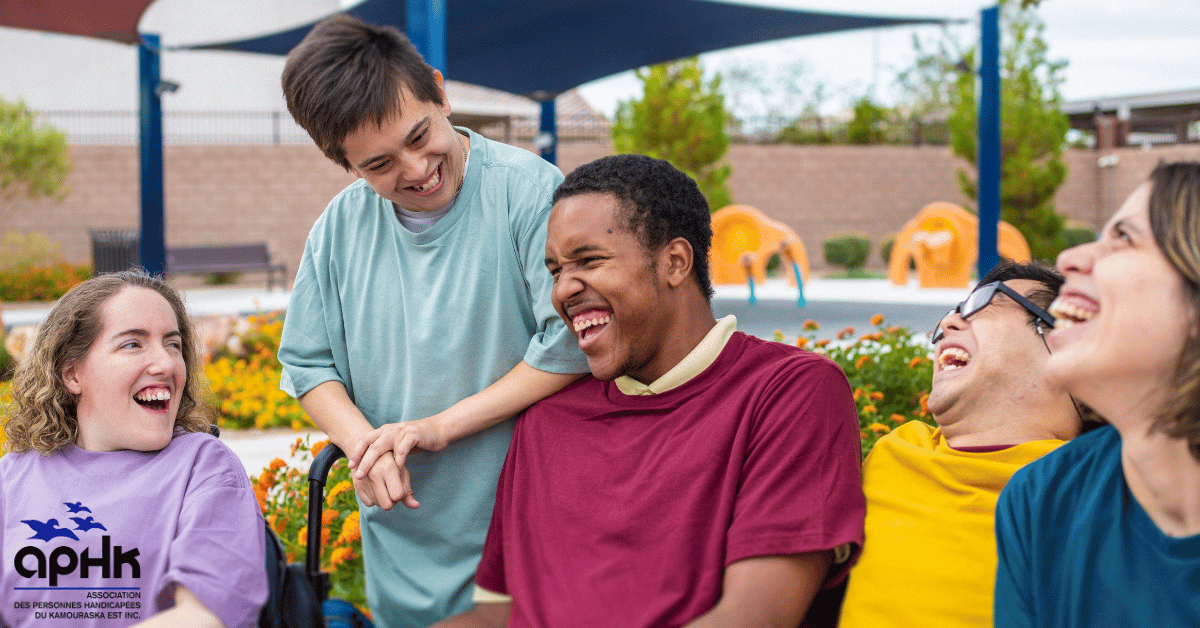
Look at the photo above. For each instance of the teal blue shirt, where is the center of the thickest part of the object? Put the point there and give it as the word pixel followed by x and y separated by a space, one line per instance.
pixel 411 323
pixel 1076 549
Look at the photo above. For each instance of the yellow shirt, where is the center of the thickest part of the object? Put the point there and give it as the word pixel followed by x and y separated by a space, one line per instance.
pixel 929 558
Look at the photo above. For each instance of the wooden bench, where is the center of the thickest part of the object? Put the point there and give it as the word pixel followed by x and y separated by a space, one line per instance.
pixel 226 258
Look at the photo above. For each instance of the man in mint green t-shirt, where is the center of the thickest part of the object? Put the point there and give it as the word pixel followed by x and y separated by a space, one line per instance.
pixel 420 314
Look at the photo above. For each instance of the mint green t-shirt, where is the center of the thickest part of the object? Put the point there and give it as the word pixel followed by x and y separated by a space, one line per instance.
pixel 412 323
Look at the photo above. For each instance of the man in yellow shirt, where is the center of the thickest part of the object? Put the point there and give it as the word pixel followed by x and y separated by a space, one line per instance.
pixel 929 558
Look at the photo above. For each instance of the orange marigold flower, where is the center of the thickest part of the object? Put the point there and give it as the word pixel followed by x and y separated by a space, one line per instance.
pixel 291 557
pixel 861 361
pixel 822 343
pixel 858 393
pixel 864 434
pixel 866 337
pixel 898 418
pixel 915 362
pixel 841 335
pixel 350 530
pixel 877 319
pixel 811 325
pixel 924 404
pixel 869 409
pixel 338 489
pixel 849 330
pixel 276 464
pixel 876 395
pixel 340 555
pixel 302 536
pixel 328 516
pixel 895 329
pixel 879 428
pixel 802 342
pixel 316 449
pixel 296 445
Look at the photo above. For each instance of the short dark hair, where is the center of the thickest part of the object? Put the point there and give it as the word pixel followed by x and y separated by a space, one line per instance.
pixel 346 73
pixel 1008 270
pixel 658 203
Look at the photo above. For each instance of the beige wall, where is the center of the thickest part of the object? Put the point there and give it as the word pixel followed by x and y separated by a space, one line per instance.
pixel 227 194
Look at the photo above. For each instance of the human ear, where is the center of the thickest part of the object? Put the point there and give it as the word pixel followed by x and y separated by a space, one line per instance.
pixel 676 260
pixel 70 377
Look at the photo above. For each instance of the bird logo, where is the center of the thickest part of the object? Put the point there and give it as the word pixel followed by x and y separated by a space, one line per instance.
pixel 76 507
pixel 87 524
pixel 48 530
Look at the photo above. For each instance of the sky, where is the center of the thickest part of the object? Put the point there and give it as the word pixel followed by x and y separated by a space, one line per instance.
pixel 1113 48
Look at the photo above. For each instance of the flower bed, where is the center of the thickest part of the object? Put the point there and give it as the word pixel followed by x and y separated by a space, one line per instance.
pixel 282 494
pixel 889 371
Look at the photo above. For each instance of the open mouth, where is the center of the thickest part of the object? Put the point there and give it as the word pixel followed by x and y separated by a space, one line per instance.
pixel 154 398
pixel 1067 313
pixel 430 184
pixel 590 323
pixel 953 358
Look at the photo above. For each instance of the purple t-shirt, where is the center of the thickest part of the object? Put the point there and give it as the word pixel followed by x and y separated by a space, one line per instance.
pixel 94 539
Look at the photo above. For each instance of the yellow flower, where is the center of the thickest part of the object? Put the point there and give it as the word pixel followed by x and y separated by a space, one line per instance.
pixel 328 516
pixel 302 536
pixel 877 319
pixel 879 428
pixel 316 449
pixel 858 393
pixel 338 489
pixel 869 409
pixel 350 530
pixel 802 342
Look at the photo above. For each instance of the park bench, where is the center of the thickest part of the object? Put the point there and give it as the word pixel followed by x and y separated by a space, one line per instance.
pixel 226 258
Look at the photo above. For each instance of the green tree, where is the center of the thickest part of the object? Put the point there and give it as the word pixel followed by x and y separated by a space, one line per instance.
pixel 680 118
pixel 870 124
pixel 1033 129
pixel 34 160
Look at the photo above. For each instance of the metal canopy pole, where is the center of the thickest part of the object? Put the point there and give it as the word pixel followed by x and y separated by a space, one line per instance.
pixel 989 139
pixel 547 137
pixel 152 250
pixel 426 25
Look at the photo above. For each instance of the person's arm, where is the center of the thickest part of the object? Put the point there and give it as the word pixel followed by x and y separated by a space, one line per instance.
pixel 188 611
pixel 517 390
pixel 767 591
pixel 486 615
pixel 330 407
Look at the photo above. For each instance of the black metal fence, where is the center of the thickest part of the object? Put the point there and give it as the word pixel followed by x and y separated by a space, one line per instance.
pixel 278 128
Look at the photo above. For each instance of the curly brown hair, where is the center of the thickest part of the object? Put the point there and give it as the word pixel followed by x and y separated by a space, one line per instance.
pixel 1175 221
pixel 43 415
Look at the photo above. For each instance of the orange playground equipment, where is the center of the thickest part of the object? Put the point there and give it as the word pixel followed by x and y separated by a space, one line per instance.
pixel 745 239
pixel 942 240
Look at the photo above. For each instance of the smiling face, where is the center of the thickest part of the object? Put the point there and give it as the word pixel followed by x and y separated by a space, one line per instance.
pixel 607 289
pixel 414 159
pixel 129 385
pixel 995 356
pixel 1123 317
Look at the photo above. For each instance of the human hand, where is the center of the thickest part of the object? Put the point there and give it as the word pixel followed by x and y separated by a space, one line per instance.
pixel 385 485
pixel 400 439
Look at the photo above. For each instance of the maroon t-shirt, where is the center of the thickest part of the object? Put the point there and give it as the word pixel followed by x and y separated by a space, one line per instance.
pixel 616 510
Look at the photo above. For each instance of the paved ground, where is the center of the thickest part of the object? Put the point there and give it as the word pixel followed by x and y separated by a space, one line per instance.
pixel 832 303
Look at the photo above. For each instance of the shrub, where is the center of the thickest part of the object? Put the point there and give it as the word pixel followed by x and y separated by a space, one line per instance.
pixel 848 250
pixel 885 249
pixel 41 283
pixel 221 279
pixel 282 494
pixel 243 377
pixel 889 371
pixel 1074 236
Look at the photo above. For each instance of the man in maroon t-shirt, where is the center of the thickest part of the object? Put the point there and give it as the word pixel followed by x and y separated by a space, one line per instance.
pixel 703 477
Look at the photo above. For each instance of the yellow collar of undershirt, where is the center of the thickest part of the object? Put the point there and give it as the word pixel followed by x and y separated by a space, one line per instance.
pixel 690 366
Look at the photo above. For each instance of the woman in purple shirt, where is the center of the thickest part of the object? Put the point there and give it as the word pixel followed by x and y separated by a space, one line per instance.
pixel 116 506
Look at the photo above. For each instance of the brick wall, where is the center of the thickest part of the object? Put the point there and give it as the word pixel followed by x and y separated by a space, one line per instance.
pixel 227 194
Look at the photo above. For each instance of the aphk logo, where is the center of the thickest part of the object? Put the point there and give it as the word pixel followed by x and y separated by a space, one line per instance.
pixel 32 562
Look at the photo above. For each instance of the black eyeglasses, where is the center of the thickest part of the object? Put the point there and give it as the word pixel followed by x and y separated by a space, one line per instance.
pixel 982 296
